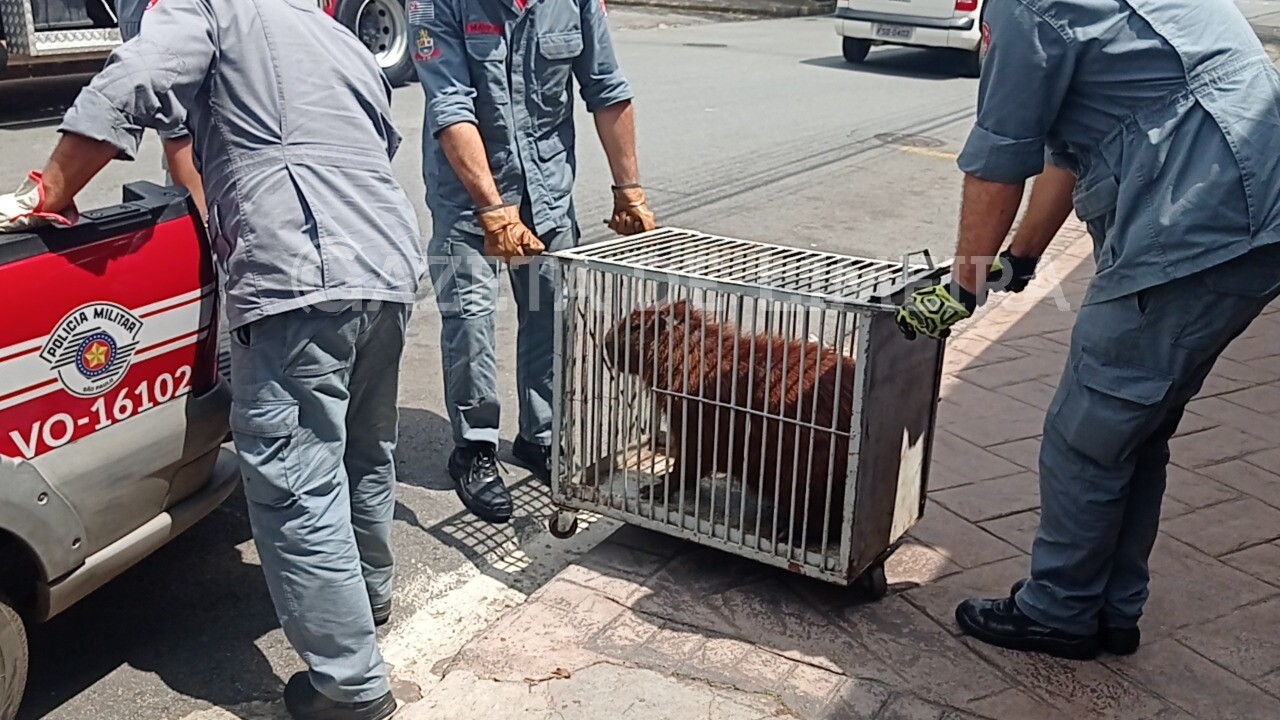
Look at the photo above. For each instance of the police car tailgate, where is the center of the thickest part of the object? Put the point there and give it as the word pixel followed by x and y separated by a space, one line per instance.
pixel 111 401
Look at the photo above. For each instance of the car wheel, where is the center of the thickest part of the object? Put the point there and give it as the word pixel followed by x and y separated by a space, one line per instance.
pixel 13 660
pixel 974 61
pixel 855 51
pixel 382 27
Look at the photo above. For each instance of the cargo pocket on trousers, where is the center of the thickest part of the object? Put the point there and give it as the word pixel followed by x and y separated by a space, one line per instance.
pixel 1110 408
pixel 265 435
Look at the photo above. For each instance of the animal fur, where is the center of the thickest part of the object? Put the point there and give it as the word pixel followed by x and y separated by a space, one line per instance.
pixel 737 380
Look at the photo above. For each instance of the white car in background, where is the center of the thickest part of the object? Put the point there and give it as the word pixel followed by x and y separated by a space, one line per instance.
pixel 954 25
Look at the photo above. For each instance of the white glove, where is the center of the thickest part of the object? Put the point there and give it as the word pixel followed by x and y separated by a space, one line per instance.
pixel 21 211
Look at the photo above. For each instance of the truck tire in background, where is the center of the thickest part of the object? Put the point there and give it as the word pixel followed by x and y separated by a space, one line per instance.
pixel 4 57
pixel 13 660
pixel 382 27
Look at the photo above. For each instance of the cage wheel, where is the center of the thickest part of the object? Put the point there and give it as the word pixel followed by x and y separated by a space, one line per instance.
pixel 873 582
pixel 553 526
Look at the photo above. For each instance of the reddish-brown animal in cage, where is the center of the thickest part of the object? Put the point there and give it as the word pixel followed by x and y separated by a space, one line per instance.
pixel 754 402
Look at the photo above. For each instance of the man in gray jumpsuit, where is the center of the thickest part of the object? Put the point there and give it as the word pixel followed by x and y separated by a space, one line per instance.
pixel 1163 116
pixel 500 162
pixel 290 119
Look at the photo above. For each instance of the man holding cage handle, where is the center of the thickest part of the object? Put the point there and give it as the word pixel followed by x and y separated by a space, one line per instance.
pixel 499 160
pixel 1161 119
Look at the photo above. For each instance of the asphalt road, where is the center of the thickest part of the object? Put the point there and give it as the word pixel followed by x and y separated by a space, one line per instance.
pixel 753 129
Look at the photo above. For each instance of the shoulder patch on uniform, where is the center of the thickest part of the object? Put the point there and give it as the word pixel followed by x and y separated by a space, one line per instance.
pixel 426 49
pixel 479 28
pixel 421 12
pixel 986 37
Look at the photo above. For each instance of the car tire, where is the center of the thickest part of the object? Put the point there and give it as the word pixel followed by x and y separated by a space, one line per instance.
pixel 381 26
pixel 13 660
pixel 974 60
pixel 855 50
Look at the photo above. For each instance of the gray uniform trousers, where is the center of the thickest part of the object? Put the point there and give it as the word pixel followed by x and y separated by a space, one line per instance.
pixel 1134 364
pixel 314 420
pixel 466 285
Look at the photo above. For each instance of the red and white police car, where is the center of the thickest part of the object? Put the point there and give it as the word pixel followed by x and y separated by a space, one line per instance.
pixel 113 404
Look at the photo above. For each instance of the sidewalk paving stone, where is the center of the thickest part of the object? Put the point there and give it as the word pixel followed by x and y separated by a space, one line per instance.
pixel 1189 587
pixel 1223 529
pixel 1036 393
pixel 1018 530
pixel 1249 479
pixel 1025 453
pixel 992 498
pixel 1213 446
pixel 1263 398
pixel 1085 690
pixel 1194 684
pixel 1196 490
pixel 1244 642
pixel 959 462
pixel 959 540
pixel 1261 562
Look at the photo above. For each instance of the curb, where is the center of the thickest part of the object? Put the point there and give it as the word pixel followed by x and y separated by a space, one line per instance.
pixel 754 8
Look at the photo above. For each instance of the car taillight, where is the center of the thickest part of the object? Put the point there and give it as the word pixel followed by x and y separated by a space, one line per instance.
pixel 966 5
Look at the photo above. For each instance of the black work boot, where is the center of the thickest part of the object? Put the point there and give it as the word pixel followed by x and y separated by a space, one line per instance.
pixel 1114 641
pixel 304 702
pixel 1002 623
pixel 533 457
pixel 475 475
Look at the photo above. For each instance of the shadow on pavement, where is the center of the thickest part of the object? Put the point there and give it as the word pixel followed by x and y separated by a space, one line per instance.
pixel 519 553
pixel 191 614
pixel 921 64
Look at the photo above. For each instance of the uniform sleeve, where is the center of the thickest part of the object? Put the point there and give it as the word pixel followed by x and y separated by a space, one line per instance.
pixel 148 81
pixel 1025 76
pixel 596 68
pixel 439 55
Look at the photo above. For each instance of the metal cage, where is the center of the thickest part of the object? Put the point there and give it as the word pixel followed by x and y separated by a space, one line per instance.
pixel 751 397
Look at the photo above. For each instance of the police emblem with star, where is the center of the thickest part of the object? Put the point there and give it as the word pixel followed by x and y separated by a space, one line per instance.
pixel 92 347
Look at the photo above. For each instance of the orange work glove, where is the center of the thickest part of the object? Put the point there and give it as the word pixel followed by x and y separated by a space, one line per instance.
pixel 631 214
pixel 506 236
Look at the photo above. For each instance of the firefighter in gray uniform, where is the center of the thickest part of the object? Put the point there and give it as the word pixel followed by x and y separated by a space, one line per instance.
pixel 178 161
pixel 290 120
pixel 500 163
pixel 1164 116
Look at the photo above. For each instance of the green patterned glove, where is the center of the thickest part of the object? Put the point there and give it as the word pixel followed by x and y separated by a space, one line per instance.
pixel 932 311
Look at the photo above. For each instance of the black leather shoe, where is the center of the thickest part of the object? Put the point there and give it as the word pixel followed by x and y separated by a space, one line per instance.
pixel 536 458
pixel 475 475
pixel 1119 641
pixel 381 614
pixel 304 702
pixel 1002 623
pixel 1114 641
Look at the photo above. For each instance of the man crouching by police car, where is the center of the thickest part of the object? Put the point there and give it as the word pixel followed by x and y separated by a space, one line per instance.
pixel 290 120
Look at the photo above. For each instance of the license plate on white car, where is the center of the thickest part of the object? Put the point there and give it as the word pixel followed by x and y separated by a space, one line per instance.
pixel 893 32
